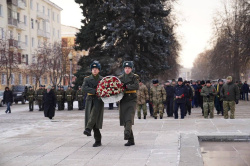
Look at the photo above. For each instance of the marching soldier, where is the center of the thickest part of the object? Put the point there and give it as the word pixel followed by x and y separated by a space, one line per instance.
pixel 158 98
pixel 94 104
pixel 208 92
pixel 128 102
pixel 80 97
pixel 31 97
pixel 59 98
pixel 69 95
pixel 142 98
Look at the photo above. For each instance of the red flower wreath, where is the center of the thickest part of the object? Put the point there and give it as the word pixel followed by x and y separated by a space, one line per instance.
pixel 109 86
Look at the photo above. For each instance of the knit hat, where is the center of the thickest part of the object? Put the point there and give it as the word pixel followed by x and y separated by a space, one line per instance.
pixel 202 82
pixel 180 79
pixel 230 78
pixel 208 81
pixel 155 81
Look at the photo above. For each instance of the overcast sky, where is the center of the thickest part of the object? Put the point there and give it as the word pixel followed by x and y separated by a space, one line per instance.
pixel 195 29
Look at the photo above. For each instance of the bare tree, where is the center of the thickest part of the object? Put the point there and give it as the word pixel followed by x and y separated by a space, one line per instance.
pixel 9 59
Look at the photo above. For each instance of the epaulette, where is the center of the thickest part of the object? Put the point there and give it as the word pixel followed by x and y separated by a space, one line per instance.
pixel 86 77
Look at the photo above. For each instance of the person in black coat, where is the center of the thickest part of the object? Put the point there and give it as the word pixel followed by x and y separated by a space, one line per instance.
pixel 49 102
pixel 245 90
pixel 8 99
pixel 180 94
pixel 170 99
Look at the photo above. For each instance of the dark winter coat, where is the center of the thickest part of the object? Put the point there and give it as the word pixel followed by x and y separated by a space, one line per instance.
pixel 180 90
pixel 94 108
pixel 8 96
pixel 230 92
pixel 128 102
pixel 245 88
pixel 49 101
pixel 189 92
pixel 170 91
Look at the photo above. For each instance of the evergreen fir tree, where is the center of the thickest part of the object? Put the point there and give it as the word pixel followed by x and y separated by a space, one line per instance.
pixel 119 30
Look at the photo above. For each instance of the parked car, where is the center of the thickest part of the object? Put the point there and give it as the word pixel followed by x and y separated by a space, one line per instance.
pixel 19 93
pixel 1 99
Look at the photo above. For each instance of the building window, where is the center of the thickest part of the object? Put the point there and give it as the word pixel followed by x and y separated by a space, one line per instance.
pixel 43 10
pixel 54 32
pixel 25 20
pixel 11 34
pixel 33 42
pixel 27 79
pixel 32 23
pixel 58 18
pixel 37 7
pixel 12 79
pixel 20 79
pixel 53 16
pixel 27 59
pixel 1 10
pixel 31 4
pixel 48 12
pixel 3 82
pixel 26 40
pixel 58 34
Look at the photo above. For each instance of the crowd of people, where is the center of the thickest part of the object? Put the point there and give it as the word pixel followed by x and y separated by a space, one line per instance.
pixel 171 96
pixel 185 95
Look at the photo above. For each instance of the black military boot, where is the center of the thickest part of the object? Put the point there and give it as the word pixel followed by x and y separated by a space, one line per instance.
pixel 139 117
pixel 155 117
pixel 129 143
pixel 87 132
pixel 160 117
pixel 144 116
pixel 97 143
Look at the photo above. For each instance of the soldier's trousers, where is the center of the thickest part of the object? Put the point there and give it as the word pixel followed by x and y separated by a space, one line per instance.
pixel 158 107
pixel 40 105
pixel 31 105
pixel 169 107
pixel 128 131
pixel 143 107
pixel 182 107
pixel 59 103
pixel 208 106
pixel 70 105
pixel 229 105
pixel 80 104
pixel 97 134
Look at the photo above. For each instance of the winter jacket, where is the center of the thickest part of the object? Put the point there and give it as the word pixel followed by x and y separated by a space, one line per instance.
pixel 8 96
pixel 230 92
pixel 245 88
pixel 142 94
pixel 180 90
pixel 208 93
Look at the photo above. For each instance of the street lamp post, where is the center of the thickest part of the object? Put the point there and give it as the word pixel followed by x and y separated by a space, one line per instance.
pixel 70 56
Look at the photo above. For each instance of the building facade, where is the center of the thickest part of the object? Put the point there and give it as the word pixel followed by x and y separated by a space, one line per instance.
pixel 68 41
pixel 27 24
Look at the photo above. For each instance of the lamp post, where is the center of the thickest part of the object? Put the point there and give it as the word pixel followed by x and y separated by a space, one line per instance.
pixel 70 56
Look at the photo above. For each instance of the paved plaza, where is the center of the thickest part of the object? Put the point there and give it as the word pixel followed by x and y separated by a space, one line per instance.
pixel 27 138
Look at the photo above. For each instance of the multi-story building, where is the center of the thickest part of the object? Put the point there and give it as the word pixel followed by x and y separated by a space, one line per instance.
pixel 28 24
pixel 68 41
